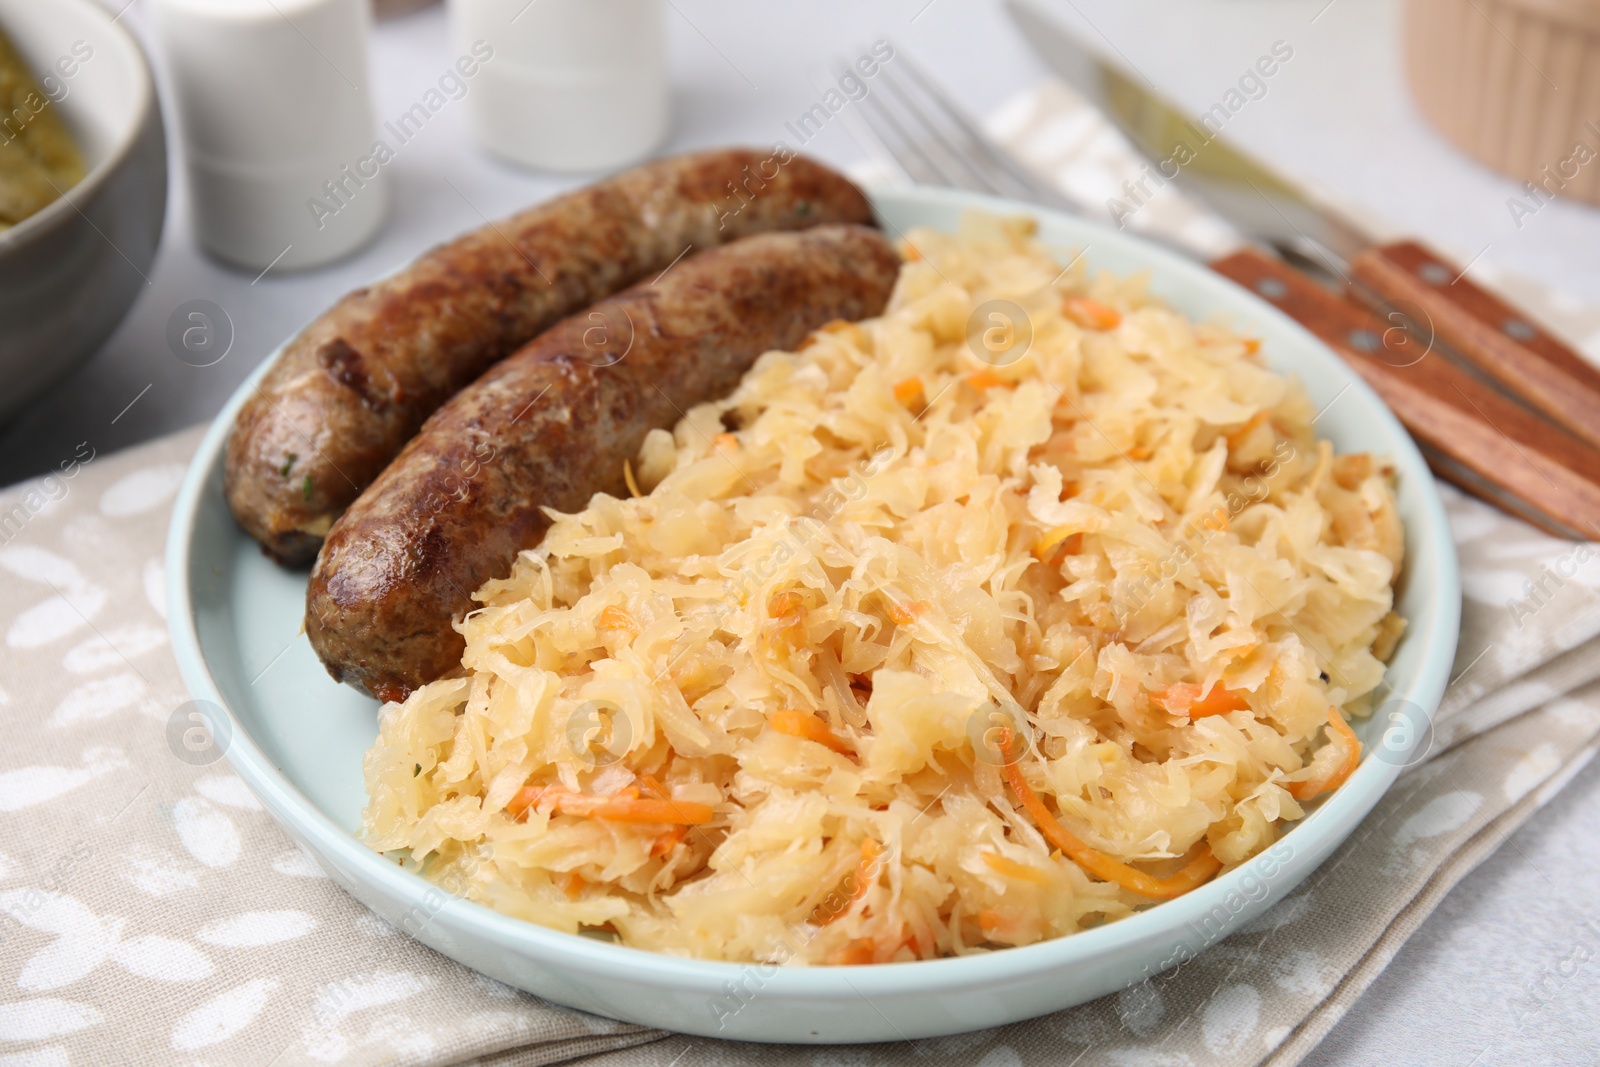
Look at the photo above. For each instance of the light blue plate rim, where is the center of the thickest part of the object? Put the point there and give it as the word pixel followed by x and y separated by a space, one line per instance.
pixel 1311 839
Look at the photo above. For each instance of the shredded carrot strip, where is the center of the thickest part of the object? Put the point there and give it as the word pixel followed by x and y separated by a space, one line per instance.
pixel 615 618
pixel 1337 727
pixel 1090 314
pixel 1200 868
pixel 627 476
pixel 1012 869
pixel 1058 536
pixel 725 441
pixel 1050 540
pixel 517 807
pixel 805 725
pixel 1252 345
pixel 620 808
pixel 1217 520
pixel 1185 697
pixel 912 253
pixel 1219 701
pixel 1233 437
pixel 668 840
pixel 783 605
pixel 788 612
pixel 649 784
pixel 906 614
pixel 995 924
pixel 1139 452
pixel 867 872
pixel 984 379
pixel 1177 698
pixel 1073 545
pixel 685 812
pixel 573 885
pixel 908 392
pixel 859 951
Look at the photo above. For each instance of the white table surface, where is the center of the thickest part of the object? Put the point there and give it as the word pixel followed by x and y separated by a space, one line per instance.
pixel 1458 993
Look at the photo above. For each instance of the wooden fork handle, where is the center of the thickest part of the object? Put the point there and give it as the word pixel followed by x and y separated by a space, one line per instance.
pixel 1474 436
pixel 1502 342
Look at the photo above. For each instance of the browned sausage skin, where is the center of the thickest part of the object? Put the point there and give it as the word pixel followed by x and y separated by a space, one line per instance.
pixel 355 385
pixel 551 426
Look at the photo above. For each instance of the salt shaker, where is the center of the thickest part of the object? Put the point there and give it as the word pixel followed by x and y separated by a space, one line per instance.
pixel 572 85
pixel 277 127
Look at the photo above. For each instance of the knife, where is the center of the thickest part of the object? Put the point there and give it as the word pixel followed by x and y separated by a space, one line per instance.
pixel 1500 406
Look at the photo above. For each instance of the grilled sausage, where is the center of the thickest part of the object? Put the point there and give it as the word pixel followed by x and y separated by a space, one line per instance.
pixel 551 426
pixel 355 385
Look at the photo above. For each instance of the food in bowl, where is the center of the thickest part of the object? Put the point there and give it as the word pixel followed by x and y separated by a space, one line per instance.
pixel 999 616
pixel 38 158
pixel 70 271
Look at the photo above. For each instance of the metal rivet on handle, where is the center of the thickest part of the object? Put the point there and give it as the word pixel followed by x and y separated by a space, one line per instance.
pixel 1519 330
pixel 1272 289
pixel 1435 274
pixel 1365 340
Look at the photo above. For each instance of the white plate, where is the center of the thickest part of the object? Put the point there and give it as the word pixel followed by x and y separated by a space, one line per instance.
pixel 297 738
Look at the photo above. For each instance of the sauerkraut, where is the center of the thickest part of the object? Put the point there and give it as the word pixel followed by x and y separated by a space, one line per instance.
pixel 999 616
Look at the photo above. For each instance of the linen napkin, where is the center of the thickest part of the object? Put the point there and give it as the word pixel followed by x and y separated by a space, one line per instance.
pixel 152 912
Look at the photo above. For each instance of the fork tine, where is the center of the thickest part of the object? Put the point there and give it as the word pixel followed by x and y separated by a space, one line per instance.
pixel 903 134
pixel 984 150
pixel 864 129
pixel 917 125
pixel 910 153
pixel 934 138
pixel 954 138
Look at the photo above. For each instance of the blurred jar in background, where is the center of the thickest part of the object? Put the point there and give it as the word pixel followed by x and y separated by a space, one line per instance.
pixel 1515 84
pixel 276 122
pixel 573 85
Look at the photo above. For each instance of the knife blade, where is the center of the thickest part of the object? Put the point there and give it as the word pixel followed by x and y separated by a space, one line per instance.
pixel 1250 193
pixel 1405 283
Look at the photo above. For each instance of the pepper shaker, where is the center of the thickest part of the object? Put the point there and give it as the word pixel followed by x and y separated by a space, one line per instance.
pixel 574 85
pixel 277 127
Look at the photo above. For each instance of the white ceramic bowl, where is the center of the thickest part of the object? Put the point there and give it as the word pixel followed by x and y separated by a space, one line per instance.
pixel 297 739
pixel 70 272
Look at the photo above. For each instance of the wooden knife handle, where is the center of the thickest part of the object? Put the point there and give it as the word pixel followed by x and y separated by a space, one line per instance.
pixel 1474 436
pixel 1493 336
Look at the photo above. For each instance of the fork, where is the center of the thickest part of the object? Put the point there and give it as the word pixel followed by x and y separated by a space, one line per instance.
pixel 907 120
pixel 927 136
